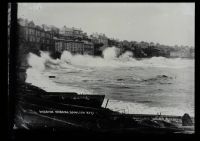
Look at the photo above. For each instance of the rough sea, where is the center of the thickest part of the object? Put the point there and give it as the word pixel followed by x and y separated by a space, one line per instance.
pixel 146 86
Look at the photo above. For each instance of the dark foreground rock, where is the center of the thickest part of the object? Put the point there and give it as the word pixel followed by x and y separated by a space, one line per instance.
pixel 186 120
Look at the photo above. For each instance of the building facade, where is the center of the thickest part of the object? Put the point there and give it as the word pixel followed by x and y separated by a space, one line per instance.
pixel 88 48
pixel 72 33
pixel 33 38
pixel 75 47
pixel 99 38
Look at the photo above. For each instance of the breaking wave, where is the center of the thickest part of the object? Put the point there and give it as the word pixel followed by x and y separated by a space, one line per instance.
pixel 110 59
pixel 161 79
pixel 37 75
pixel 76 63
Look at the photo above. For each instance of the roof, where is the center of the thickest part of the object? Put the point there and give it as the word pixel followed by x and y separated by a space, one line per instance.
pixel 59 39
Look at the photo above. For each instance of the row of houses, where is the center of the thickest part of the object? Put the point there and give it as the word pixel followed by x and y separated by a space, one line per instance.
pixel 75 47
pixel 73 33
pixel 52 39
pixel 99 38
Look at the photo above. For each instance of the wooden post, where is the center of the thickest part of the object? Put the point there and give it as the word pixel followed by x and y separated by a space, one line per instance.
pixel 107 103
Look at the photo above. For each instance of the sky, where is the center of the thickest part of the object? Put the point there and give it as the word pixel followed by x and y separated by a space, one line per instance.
pixel 164 23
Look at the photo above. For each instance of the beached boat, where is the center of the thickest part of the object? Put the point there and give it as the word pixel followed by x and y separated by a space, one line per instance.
pixel 36 109
pixel 72 98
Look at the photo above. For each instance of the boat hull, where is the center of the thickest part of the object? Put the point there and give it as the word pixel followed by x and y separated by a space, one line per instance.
pixel 73 98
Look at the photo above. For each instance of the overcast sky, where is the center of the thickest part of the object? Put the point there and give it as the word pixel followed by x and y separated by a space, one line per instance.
pixel 164 23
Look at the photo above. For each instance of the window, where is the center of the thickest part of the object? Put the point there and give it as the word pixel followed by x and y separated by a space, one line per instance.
pixel 38 33
pixel 26 37
pixel 29 31
pixel 33 39
pixel 34 32
pixel 26 30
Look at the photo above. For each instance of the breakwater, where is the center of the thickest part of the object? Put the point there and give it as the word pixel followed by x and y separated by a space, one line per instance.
pixel 178 120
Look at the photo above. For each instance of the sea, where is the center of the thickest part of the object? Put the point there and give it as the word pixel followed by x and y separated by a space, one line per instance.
pixel 156 85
